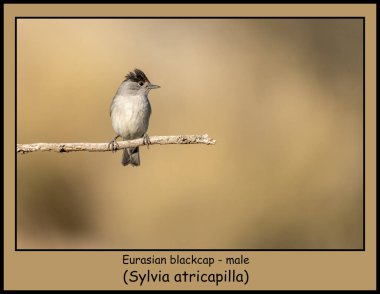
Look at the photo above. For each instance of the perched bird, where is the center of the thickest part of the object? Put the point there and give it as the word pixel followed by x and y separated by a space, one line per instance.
pixel 130 111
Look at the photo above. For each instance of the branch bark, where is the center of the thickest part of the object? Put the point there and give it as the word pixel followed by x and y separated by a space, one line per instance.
pixel 102 147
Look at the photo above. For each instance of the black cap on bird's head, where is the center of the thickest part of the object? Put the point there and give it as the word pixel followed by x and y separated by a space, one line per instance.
pixel 137 76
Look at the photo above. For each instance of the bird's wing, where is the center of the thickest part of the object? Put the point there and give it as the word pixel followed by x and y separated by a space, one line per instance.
pixel 112 104
pixel 149 109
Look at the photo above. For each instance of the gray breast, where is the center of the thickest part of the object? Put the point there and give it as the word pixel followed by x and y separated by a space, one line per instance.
pixel 130 116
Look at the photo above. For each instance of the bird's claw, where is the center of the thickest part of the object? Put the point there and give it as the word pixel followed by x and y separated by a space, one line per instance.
pixel 113 146
pixel 146 140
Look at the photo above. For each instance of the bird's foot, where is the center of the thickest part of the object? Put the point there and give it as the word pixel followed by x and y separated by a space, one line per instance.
pixel 113 146
pixel 146 140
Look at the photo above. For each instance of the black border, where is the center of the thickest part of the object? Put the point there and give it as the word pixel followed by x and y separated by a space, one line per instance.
pixel 204 17
pixel 196 2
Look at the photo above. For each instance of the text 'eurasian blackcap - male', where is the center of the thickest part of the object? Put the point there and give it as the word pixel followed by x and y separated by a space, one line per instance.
pixel 130 111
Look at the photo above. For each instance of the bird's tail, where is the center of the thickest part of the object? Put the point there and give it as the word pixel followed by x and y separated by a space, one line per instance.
pixel 131 156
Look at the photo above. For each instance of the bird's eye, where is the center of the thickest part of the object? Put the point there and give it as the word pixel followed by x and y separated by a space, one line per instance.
pixel 141 84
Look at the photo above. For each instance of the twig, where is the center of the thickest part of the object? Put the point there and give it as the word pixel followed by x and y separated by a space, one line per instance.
pixel 101 147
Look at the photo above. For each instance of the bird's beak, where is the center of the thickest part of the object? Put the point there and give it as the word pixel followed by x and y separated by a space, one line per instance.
pixel 150 87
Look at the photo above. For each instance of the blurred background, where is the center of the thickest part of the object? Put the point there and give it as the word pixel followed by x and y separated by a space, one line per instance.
pixel 282 97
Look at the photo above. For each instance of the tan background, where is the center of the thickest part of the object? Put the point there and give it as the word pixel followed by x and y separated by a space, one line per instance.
pixel 282 98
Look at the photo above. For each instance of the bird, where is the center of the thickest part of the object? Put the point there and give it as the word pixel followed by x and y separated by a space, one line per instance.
pixel 130 111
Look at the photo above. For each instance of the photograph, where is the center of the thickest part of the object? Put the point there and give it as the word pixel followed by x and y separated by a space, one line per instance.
pixel 246 133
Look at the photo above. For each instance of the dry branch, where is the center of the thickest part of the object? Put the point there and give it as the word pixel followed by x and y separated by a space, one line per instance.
pixel 102 147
